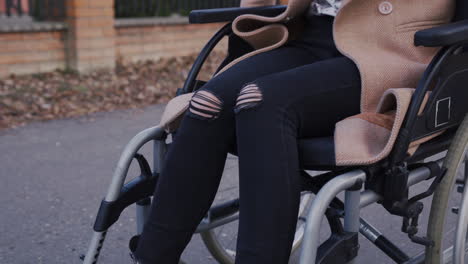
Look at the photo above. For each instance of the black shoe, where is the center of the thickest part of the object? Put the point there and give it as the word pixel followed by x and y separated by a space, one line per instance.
pixel 132 245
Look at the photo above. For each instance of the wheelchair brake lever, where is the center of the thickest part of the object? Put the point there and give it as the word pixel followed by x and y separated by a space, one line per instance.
pixel 145 168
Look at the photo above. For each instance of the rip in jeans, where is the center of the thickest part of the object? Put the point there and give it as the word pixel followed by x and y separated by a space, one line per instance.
pixel 249 97
pixel 205 105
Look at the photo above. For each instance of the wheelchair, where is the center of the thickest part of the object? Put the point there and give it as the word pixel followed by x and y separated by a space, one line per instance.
pixel 442 161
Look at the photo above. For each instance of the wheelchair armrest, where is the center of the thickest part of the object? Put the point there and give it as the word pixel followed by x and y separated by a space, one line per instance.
pixel 446 35
pixel 217 15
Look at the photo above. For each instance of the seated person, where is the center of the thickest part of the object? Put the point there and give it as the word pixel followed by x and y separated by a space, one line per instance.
pixel 263 104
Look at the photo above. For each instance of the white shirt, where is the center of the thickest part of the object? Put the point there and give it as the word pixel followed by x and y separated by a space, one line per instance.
pixel 325 7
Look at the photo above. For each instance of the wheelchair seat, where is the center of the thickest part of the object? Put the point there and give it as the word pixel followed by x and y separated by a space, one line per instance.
pixel 319 153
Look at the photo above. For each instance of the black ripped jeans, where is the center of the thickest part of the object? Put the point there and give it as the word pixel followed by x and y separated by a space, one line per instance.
pixel 297 91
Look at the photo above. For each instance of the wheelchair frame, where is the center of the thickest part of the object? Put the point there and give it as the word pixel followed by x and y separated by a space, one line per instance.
pixel 386 182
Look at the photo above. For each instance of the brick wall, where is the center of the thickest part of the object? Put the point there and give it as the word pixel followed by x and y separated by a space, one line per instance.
pixel 34 52
pixel 31 52
pixel 153 42
pixel 91 38
pixel 91 31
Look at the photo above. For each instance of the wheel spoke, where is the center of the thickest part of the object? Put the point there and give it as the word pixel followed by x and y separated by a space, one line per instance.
pixel 452 249
pixel 461 233
pixel 221 241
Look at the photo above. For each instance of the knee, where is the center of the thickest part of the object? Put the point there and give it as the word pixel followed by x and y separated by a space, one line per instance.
pixel 205 105
pixel 262 103
pixel 250 96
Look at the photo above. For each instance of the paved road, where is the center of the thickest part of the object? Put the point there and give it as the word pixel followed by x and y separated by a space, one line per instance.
pixel 54 174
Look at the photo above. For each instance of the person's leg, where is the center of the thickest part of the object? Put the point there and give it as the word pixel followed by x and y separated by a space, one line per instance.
pixel 195 161
pixel 272 113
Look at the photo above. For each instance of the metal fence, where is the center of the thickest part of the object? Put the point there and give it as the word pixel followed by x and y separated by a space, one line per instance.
pixel 54 10
pixel 40 10
pixel 162 8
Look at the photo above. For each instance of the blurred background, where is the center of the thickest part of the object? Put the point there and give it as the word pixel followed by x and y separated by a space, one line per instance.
pixel 66 58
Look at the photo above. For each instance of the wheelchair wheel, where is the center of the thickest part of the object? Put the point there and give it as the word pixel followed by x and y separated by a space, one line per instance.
pixel 448 236
pixel 221 241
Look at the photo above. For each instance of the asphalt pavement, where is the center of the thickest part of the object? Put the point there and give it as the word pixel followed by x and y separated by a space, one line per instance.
pixel 54 174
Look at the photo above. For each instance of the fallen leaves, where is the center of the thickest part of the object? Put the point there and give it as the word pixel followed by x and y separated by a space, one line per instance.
pixel 64 94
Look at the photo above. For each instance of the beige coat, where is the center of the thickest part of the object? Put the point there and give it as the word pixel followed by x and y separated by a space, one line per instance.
pixel 378 36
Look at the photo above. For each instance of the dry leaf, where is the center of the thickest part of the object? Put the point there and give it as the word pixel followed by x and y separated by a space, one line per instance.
pixel 62 94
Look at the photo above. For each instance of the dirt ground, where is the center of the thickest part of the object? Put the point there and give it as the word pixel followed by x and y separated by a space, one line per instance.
pixel 64 94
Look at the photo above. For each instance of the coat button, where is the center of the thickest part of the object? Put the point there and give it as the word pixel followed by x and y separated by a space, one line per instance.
pixel 385 8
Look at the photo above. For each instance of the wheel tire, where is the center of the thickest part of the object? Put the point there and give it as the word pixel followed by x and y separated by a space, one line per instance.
pixel 452 162
pixel 226 256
